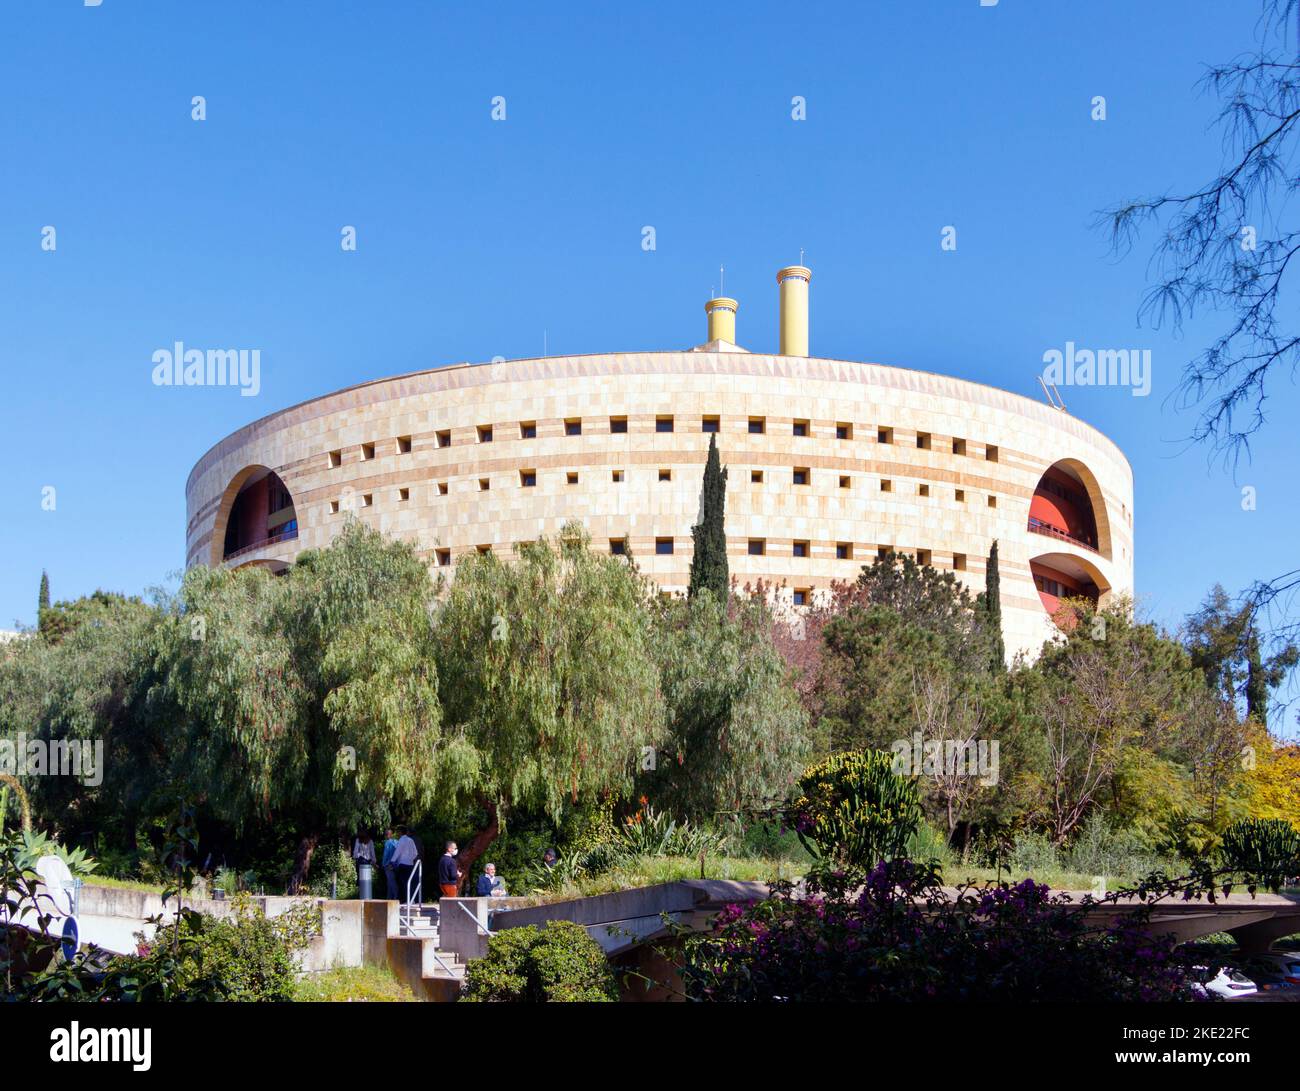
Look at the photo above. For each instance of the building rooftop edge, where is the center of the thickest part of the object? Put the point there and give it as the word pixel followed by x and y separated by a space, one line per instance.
pixel 700 351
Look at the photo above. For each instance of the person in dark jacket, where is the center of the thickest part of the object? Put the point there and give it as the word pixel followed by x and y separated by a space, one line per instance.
pixel 448 871
pixel 489 884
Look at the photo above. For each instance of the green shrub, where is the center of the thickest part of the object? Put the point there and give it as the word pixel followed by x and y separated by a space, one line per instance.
pixel 556 964
pixel 930 843
pixel 328 861
pixel 249 953
pixel 764 838
pixel 1097 849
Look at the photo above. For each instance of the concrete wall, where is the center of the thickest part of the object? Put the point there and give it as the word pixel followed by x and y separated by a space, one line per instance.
pixel 952 505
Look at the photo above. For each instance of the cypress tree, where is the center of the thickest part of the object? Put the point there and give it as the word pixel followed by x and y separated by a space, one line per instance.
pixel 43 602
pixel 709 564
pixel 1256 681
pixel 993 612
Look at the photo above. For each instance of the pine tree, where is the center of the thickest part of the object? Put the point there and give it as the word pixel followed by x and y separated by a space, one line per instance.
pixel 709 564
pixel 992 602
pixel 43 603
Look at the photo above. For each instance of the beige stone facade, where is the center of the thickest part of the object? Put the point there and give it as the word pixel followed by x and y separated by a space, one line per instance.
pixel 829 461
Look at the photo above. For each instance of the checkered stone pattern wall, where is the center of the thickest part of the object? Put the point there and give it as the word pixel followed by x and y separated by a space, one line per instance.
pixel 829 461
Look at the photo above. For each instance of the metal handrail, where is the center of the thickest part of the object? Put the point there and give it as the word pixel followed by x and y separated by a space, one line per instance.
pixel 272 540
pixel 1039 527
pixel 477 924
pixel 405 912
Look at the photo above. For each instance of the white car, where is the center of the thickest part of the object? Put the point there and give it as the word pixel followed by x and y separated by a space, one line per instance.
pixel 1227 983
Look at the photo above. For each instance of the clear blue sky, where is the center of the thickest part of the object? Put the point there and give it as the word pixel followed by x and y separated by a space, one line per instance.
pixel 474 236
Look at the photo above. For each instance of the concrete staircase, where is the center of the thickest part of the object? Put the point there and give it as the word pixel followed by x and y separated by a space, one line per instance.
pixel 416 957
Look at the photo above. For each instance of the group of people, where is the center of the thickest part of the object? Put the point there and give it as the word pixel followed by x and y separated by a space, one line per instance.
pixel 401 850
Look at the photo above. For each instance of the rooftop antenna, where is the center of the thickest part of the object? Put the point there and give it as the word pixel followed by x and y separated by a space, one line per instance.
pixel 801 255
pixel 722 280
pixel 1053 395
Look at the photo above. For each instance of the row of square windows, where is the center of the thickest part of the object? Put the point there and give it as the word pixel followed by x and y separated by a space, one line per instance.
pixel 618 426
pixel 800 476
pixel 757 547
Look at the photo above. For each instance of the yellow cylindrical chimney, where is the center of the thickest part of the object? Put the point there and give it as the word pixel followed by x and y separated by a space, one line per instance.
pixel 793 280
pixel 722 319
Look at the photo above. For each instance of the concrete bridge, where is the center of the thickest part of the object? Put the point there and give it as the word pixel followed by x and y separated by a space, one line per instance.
pixel 1254 922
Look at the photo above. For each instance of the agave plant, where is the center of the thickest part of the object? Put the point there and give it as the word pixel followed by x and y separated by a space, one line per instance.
pixel 35 844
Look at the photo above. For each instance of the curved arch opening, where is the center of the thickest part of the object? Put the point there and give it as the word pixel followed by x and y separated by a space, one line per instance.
pixel 257 510
pixel 1061 576
pixel 1068 505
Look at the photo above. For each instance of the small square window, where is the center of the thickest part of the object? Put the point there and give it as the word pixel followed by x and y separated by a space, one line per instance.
pixel 571 478
pixel 444 437
pixel 958 446
pixel 617 425
pixel 483 550
pixel 886 485
pixel 991 453
pixel 801 475
pixel 367 500
pixel 959 562
pixel 618 546
pixel 442 488
pixel 801 596
pixel 799 549
pixel 801 428
pixel 883 552
pixel 403 445
pixel 665 475
pixel 844 551
pixel 961 496
pixel 843 430
pixel 403 494
pixel 923 490
pixel 336 458
pixel 923 440
pixel 710 424
pixel 663 546
pixel 444 557
pixel 485 433
pixel 845 481
pixel 528 429
pixel 993 501
pixel 757 426
pixel 923 557
pixel 334 507
pixel 663 424
pixel 757 547
pixel 884 435
pixel 484 484
pixel 527 478
pixel 367 452
pixel 573 427
pixel 616 476
pixel 756 477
